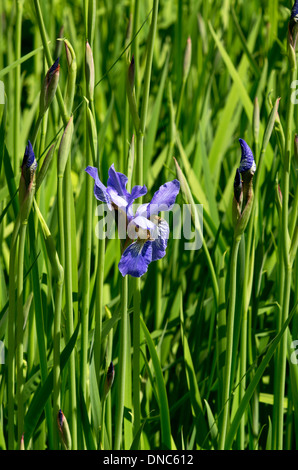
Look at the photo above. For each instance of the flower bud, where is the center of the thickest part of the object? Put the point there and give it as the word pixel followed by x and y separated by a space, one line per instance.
pixel 71 77
pixel 187 59
pixel 293 26
pixel 247 162
pixel 49 87
pixel 89 72
pixel 109 379
pixel 131 73
pixel 44 168
pixel 64 147
pixel 64 431
pixel 27 181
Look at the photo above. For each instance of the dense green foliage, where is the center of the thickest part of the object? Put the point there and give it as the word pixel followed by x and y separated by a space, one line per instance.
pixel 184 336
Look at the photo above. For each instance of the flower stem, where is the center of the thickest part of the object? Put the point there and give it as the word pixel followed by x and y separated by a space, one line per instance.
pixel 11 335
pixel 230 335
pixel 286 290
pixel 19 331
pixel 122 365
pixel 69 303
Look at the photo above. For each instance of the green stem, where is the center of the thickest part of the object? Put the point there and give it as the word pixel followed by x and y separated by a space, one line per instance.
pixel 69 303
pixel 11 335
pixel 122 366
pixel 230 337
pixel 287 268
pixel 19 331
pixel 17 96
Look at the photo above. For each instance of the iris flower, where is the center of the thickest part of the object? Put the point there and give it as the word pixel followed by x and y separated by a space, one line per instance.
pixel 147 232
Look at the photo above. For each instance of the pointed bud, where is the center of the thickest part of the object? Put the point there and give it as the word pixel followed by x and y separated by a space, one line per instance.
pixel 49 87
pixel 293 26
pixel 45 166
pixel 247 162
pixel 109 379
pixel 71 77
pixel 89 72
pixel 64 147
pixel 22 444
pixel 27 180
pixel 64 431
pixel 270 124
pixel 131 73
pixel 187 59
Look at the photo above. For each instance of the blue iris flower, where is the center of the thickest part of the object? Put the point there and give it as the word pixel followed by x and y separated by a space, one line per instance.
pixel 147 232
pixel 247 159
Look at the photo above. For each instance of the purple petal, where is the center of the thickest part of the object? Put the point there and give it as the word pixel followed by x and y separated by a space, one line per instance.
pixel 136 258
pixel 137 191
pixel 164 198
pixel 118 182
pixel 100 191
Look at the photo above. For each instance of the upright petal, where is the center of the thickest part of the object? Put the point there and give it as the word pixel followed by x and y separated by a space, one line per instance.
pixel 164 198
pixel 136 258
pixel 117 181
pixel 100 191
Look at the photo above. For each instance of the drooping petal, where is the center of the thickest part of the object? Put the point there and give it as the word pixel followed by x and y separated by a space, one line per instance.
pixel 100 191
pixel 136 258
pixel 159 245
pixel 164 198
pixel 247 159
